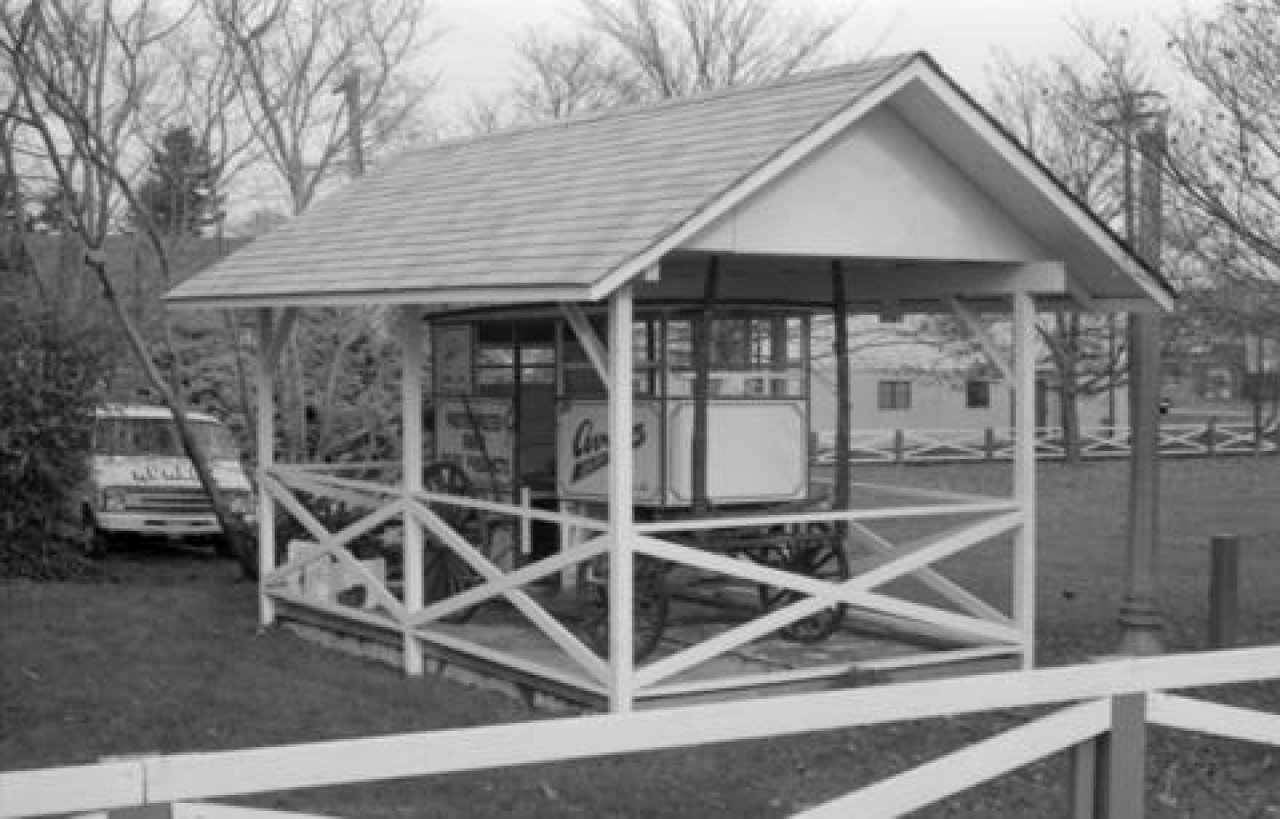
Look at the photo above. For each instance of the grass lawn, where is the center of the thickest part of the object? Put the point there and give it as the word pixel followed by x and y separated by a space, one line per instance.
pixel 168 658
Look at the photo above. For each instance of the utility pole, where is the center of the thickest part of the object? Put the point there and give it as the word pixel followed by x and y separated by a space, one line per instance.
pixel 1140 622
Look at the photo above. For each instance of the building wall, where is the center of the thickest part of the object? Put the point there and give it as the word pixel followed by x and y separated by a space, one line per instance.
pixel 939 402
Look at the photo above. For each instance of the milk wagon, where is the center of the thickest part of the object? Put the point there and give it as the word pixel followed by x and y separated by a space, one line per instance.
pixel 720 427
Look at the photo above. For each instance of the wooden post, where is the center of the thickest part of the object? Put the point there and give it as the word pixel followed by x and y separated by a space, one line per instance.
pixel 1084 780
pixel 621 514
pixel 1211 435
pixel 840 314
pixel 989 444
pixel 1122 763
pixel 899 446
pixel 1224 590
pixel 141 812
pixel 1024 472
pixel 702 341
pixel 411 462
pixel 266 439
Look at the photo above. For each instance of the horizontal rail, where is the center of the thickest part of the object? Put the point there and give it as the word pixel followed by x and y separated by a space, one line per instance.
pixel 872 446
pixel 984 760
pixel 880 513
pixel 179 777
pixel 1213 718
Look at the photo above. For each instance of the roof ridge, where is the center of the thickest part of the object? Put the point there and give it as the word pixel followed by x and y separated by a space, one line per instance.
pixel 884 63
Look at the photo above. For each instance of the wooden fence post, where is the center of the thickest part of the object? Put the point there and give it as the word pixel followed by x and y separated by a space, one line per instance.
pixel 1084 780
pixel 143 812
pixel 1224 590
pixel 989 443
pixel 899 446
pixel 1122 761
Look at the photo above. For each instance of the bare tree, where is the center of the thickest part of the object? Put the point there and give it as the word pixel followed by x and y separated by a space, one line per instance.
pixel 1224 162
pixel 1078 117
pixel 1225 156
pixel 570 76
pixel 82 76
pixel 292 57
pixel 642 50
pixel 322 82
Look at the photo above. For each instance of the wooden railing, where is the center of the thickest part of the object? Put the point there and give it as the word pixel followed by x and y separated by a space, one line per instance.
pixel 972 628
pixel 870 446
pixel 1107 708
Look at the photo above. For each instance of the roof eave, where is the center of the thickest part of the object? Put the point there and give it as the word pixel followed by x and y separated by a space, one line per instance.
pixel 355 298
pixel 1151 283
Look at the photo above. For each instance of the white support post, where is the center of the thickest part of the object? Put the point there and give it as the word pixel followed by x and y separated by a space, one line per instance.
pixel 1024 472
pixel 266 437
pixel 621 514
pixel 411 339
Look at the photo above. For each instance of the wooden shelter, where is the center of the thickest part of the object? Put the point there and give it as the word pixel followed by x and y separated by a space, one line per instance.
pixel 879 187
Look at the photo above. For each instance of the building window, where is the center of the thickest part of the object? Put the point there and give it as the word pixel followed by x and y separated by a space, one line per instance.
pixel 895 395
pixel 977 394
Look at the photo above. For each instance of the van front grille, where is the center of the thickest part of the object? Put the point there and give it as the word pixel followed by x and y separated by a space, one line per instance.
pixel 172 501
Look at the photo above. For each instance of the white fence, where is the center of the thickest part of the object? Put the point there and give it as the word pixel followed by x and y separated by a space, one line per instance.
pixel 869 446
pixel 1107 708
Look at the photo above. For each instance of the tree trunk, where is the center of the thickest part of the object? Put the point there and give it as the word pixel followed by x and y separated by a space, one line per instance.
pixel 244 550
pixel 1070 406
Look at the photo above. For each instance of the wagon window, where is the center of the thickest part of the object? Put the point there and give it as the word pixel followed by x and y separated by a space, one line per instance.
pixel 644 348
pixel 760 344
pixel 495 368
pixel 729 344
pixel 537 364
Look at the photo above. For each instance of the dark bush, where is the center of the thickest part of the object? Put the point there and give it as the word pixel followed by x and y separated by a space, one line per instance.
pixel 51 377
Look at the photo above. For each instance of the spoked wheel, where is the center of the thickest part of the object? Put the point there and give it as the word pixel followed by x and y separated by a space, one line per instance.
pixel 444 574
pixel 649 611
pixel 815 551
pixel 447 478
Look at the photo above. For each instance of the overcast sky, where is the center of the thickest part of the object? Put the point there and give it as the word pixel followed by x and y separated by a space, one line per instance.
pixel 475 54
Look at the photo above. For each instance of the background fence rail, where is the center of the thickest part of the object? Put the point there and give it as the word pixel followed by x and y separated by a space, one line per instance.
pixel 877 446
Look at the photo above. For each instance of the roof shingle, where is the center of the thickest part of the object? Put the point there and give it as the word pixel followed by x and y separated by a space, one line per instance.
pixel 563 204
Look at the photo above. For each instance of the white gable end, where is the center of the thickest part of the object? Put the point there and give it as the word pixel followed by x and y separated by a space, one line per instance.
pixel 878 191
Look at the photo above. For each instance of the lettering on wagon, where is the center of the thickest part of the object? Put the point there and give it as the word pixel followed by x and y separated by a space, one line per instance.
pixel 591 448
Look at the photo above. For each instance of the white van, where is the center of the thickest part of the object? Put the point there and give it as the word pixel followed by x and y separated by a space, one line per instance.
pixel 141 483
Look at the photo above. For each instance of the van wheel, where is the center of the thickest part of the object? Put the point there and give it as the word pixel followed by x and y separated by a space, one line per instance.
pixel 94 541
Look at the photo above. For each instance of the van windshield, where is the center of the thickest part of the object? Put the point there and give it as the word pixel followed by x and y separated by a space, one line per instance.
pixel 159 436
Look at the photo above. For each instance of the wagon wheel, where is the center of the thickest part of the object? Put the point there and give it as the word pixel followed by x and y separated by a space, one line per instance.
pixel 447 478
pixel 817 552
pixel 649 611
pixel 444 573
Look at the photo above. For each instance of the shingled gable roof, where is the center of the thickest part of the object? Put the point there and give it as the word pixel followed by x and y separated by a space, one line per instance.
pixel 564 211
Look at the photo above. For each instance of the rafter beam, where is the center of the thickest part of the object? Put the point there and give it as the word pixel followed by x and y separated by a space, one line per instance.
pixel 591 343
pixel 973 324
pixel 281 330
